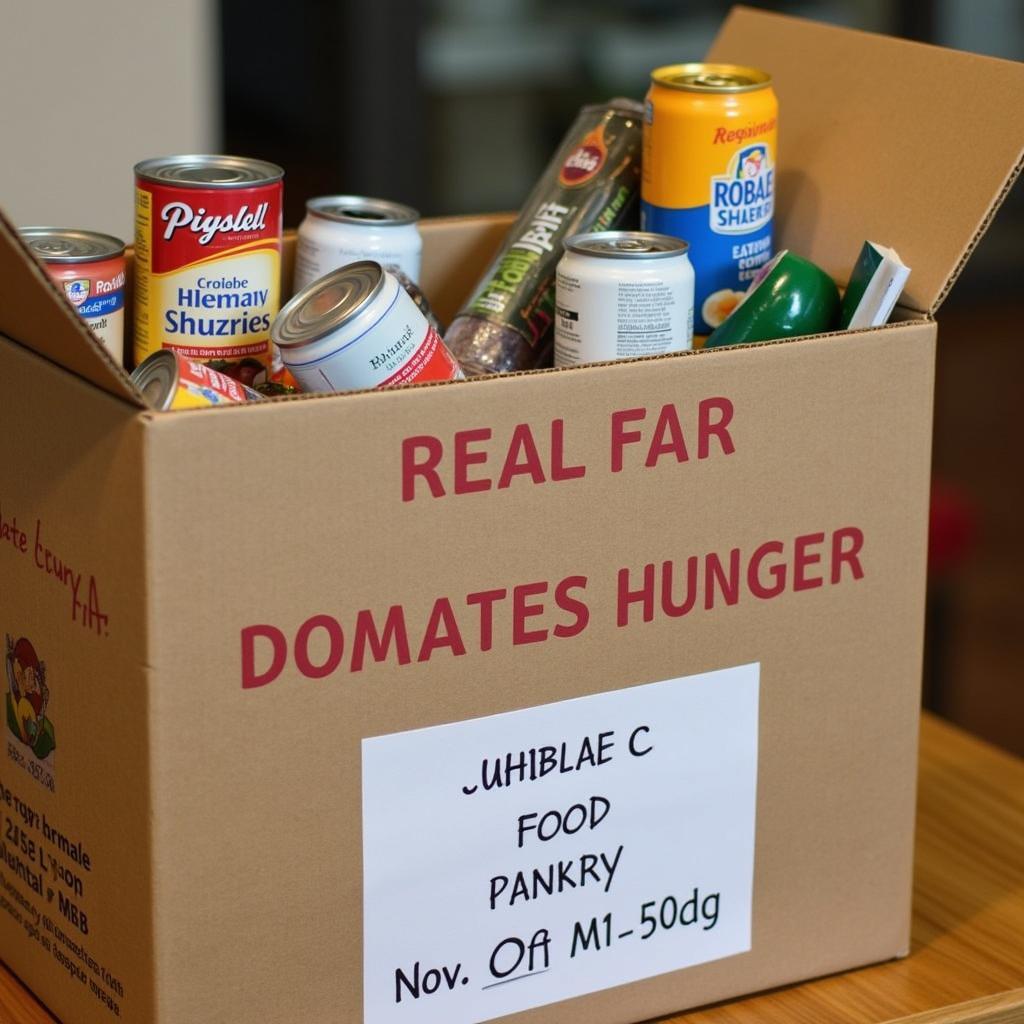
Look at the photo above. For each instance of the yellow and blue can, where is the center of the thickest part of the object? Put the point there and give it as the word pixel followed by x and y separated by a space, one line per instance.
pixel 709 151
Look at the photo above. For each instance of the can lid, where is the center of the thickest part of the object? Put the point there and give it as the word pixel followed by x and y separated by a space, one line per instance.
pixel 328 303
pixel 711 77
pixel 629 245
pixel 209 170
pixel 156 377
pixel 70 245
pixel 362 210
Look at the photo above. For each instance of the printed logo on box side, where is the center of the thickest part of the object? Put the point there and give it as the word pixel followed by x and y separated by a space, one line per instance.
pixel 28 700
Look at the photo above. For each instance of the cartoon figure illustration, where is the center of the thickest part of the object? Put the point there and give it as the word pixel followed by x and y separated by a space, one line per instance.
pixel 78 290
pixel 752 163
pixel 28 698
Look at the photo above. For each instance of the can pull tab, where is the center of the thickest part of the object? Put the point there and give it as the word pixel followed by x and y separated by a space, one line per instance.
pixel 634 245
pixel 714 81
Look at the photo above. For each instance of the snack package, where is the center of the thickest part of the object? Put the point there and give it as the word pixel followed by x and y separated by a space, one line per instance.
pixel 591 184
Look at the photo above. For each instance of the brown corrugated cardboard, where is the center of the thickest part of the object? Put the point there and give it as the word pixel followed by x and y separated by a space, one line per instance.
pixel 32 310
pixel 840 664
pixel 223 822
pixel 907 144
pixel 71 466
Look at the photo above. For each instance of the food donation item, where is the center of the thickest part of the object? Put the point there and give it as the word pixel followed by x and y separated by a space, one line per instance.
pixel 621 294
pixel 90 270
pixel 208 260
pixel 357 327
pixel 875 285
pixel 791 297
pixel 709 175
pixel 343 229
pixel 590 184
pixel 169 380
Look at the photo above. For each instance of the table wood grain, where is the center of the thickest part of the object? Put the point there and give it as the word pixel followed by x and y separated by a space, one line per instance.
pixel 966 964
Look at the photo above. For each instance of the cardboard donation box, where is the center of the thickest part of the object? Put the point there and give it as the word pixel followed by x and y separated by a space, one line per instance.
pixel 582 695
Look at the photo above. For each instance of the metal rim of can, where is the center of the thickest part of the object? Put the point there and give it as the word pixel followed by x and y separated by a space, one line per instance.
pixel 157 378
pixel 208 170
pixel 711 78
pixel 363 211
pixel 326 305
pixel 628 245
pixel 71 245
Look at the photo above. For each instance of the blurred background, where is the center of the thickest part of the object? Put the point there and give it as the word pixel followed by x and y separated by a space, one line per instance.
pixel 454 106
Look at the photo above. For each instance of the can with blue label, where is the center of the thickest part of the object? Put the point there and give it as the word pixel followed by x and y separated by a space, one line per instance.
pixel 89 268
pixel 709 154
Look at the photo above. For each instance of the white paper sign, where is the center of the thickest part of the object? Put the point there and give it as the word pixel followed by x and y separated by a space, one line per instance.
pixel 522 859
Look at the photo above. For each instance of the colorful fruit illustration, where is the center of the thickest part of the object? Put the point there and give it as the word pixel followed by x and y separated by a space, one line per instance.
pixel 27 721
pixel 718 305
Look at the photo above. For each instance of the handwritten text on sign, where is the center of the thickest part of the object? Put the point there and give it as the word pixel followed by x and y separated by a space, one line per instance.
pixel 526 858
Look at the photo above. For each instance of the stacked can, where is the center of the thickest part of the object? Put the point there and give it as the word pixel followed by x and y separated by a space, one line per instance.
pixel 709 175
pixel 338 230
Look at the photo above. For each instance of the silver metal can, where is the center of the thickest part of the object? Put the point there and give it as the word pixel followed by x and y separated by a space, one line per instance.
pixel 357 327
pixel 344 229
pixel 622 294
pixel 89 268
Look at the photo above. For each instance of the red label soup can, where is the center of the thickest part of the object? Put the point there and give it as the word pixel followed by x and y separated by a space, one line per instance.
pixel 89 269
pixel 208 260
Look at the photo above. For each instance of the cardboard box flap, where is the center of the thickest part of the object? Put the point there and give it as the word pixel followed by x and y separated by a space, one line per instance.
pixel 908 145
pixel 34 313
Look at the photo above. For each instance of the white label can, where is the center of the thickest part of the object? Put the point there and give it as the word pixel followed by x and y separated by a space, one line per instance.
pixel 357 327
pixel 622 294
pixel 344 229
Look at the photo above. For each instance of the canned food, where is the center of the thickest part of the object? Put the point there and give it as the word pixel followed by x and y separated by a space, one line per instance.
pixel 709 175
pixel 90 270
pixel 208 260
pixel 169 380
pixel 622 294
pixel 343 229
pixel 356 328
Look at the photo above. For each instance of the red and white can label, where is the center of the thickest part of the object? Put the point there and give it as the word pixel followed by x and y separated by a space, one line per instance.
pixel 391 343
pixel 96 291
pixel 208 270
pixel 431 361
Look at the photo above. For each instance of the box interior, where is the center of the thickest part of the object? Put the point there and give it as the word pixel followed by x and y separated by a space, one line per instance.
pixel 858 158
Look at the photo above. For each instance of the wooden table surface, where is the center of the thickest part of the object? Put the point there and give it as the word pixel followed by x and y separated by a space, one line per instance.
pixel 967 956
